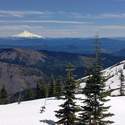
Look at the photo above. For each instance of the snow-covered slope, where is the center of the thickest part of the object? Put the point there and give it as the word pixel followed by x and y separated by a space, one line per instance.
pixel 28 113
pixel 112 75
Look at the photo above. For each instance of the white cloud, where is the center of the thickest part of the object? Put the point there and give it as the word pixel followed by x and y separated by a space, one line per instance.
pixel 111 15
pixel 9 13
pixel 57 21
pixel 70 24
pixel 74 31
pixel 73 15
pixel 112 27
pixel 45 21
pixel 17 13
pixel 99 16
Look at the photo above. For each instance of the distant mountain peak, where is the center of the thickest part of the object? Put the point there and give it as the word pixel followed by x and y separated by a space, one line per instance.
pixel 27 34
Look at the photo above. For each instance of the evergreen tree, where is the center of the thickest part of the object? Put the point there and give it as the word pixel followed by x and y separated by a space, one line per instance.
pixel 20 96
pixel 38 91
pixel 42 90
pixel 3 96
pixel 94 111
pixel 29 94
pixel 58 88
pixel 52 87
pixel 124 66
pixel 122 84
pixel 55 87
pixel 86 109
pixel 67 112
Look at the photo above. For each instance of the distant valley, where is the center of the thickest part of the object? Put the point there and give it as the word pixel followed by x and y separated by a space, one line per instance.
pixel 23 68
pixel 25 61
pixel 70 45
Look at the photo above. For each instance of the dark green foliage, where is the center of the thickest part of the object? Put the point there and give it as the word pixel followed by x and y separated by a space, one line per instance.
pixel 122 84
pixel 52 87
pixel 94 111
pixel 124 66
pixel 42 89
pixel 29 94
pixel 55 87
pixel 59 88
pixel 3 96
pixel 67 112
pixel 20 96
pixel 38 91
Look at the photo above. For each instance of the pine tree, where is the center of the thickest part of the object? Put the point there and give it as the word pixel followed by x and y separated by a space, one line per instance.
pixel 122 84
pixel 29 94
pixel 67 112
pixel 52 87
pixel 20 96
pixel 58 88
pixel 94 111
pixel 38 91
pixel 3 95
pixel 86 109
pixel 42 90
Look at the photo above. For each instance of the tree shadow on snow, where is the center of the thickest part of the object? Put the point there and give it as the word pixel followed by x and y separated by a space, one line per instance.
pixel 49 122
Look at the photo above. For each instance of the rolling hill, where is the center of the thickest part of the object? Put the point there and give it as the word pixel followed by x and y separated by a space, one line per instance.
pixel 23 68
pixel 70 45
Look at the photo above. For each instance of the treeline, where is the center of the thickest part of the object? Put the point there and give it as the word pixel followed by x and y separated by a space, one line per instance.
pixel 52 88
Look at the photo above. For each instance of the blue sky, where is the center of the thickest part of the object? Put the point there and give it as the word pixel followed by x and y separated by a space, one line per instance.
pixel 63 18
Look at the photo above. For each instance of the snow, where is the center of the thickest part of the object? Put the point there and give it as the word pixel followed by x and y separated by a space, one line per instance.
pixel 27 34
pixel 113 77
pixel 118 109
pixel 28 113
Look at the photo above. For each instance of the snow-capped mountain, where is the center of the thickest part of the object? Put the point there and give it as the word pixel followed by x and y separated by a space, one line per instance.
pixel 27 34
pixel 112 76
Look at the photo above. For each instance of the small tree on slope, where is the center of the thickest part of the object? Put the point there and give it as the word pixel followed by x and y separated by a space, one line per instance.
pixel 3 96
pixel 122 84
pixel 94 111
pixel 52 87
pixel 67 112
